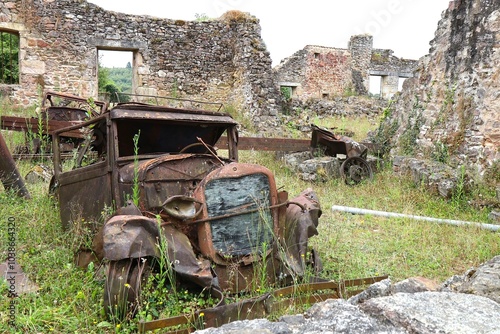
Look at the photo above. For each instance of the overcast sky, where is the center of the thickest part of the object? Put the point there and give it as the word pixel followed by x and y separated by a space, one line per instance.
pixel 405 26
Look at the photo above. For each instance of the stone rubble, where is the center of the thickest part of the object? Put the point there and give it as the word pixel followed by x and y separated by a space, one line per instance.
pixel 463 304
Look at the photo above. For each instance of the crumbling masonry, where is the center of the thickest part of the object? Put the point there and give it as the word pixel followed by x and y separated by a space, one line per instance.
pixel 324 72
pixel 222 60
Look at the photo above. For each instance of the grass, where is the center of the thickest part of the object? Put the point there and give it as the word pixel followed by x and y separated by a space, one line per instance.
pixel 350 246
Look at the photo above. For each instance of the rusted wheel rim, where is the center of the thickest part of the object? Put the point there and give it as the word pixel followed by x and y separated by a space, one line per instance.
pixel 355 169
pixel 122 288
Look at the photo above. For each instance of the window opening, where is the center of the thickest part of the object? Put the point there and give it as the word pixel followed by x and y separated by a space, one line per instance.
pixel 115 75
pixel 9 58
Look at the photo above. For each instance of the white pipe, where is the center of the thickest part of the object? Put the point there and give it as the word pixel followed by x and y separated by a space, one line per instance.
pixel 400 215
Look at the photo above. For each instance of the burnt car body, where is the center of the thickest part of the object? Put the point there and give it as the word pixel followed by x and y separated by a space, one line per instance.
pixel 221 219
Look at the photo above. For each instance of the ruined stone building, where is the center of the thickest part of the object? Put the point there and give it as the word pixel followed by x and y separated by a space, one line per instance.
pixel 322 72
pixel 450 110
pixel 222 60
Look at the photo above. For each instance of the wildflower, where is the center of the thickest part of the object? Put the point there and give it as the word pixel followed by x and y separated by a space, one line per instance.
pixel 117 326
pixel 202 314
pixel 127 285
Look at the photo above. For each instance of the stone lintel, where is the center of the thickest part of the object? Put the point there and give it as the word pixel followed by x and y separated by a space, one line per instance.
pixel 117 44
pixel 289 84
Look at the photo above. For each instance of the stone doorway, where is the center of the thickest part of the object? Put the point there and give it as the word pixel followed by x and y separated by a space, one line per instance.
pixel 115 75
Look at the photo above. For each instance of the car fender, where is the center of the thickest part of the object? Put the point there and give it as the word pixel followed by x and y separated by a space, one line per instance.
pixel 130 236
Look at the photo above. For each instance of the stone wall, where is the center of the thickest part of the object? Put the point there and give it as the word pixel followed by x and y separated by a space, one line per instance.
pixel 361 49
pixel 316 71
pixel 320 72
pixel 449 111
pixel 223 60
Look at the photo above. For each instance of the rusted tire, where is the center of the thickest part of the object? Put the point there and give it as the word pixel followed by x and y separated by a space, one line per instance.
pixel 354 170
pixel 122 288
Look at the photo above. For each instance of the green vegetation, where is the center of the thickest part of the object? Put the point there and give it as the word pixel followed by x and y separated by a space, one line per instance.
pixel 244 120
pixel 286 92
pixel 349 91
pixel 408 139
pixel 201 17
pixel 135 186
pixel 70 299
pixel 9 55
pixel 113 81
pixel 122 77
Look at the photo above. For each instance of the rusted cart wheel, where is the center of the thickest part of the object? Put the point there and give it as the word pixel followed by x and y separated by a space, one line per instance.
pixel 354 170
pixel 122 288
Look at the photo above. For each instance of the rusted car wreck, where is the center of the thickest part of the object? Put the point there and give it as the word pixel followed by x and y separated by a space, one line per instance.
pixel 213 212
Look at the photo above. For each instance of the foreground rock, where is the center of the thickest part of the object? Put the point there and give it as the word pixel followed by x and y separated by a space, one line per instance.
pixel 463 304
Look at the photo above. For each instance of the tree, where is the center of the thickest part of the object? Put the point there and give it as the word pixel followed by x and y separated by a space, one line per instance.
pixel 113 82
pixel 9 58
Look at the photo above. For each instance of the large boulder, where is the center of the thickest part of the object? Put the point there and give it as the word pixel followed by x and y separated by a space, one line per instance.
pixel 463 304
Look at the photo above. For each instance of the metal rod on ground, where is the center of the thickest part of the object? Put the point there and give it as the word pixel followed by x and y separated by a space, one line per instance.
pixel 9 175
pixel 348 209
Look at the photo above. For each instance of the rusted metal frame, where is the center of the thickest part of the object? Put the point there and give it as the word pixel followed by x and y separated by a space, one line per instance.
pixel 217 316
pixel 56 156
pixel 29 156
pixel 56 140
pixel 282 198
pixel 232 143
pixel 48 97
pixel 110 149
pixel 244 212
pixel 175 116
pixel 268 144
pixel 115 182
pixel 228 171
pixel 209 149
pixel 79 125
pixel 15 123
pixel 171 98
pixel 332 145
pixel 1 50
pixel 9 174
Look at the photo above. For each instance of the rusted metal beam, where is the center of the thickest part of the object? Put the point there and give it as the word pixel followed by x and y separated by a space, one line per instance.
pixel 35 126
pixel 269 144
pixel 261 306
pixel 40 156
pixel 9 174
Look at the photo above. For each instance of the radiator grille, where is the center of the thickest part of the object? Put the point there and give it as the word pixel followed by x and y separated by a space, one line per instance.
pixel 245 233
